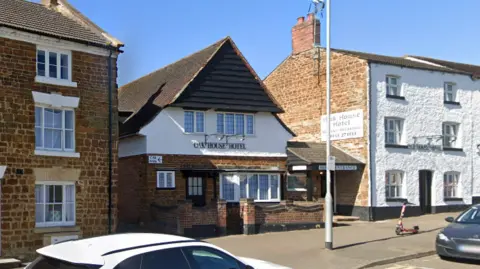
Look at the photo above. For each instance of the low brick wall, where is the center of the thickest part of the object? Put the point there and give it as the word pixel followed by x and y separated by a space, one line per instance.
pixel 285 216
pixel 165 219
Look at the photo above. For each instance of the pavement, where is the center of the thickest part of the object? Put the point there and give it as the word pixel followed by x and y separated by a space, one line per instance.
pixel 358 245
pixel 431 262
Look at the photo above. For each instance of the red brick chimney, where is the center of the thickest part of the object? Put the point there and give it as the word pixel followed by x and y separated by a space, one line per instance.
pixel 302 33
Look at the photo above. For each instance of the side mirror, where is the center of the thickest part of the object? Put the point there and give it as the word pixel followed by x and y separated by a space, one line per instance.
pixel 449 219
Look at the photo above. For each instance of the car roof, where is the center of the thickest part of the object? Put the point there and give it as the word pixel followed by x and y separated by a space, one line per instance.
pixel 91 250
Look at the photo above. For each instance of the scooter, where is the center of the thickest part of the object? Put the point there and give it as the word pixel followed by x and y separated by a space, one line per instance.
pixel 400 229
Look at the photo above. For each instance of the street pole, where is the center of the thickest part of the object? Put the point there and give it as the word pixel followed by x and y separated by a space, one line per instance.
pixel 328 196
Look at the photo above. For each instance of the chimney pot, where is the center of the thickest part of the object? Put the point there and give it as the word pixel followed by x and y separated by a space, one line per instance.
pixel 300 20
pixel 310 17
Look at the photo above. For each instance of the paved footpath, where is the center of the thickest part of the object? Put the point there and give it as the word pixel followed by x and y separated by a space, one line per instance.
pixel 355 246
pixel 431 262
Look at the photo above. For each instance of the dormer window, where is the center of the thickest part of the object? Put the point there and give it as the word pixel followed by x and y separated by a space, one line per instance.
pixel 54 67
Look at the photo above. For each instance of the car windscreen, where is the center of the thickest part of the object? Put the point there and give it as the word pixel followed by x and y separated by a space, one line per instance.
pixel 471 215
pixel 43 262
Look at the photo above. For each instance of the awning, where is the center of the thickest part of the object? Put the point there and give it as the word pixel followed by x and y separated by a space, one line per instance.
pixel 312 156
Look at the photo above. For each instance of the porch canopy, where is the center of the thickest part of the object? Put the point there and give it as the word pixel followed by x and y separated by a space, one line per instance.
pixel 312 156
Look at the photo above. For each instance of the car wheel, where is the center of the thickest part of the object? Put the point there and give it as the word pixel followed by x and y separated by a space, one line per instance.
pixel 445 258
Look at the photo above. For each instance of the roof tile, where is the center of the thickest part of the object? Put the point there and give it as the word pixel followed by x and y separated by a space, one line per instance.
pixel 35 17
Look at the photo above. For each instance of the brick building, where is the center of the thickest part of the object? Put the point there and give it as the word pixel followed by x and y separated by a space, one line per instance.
pixel 196 137
pixel 54 125
pixel 384 109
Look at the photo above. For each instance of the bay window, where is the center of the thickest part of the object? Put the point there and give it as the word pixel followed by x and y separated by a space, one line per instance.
pixel 55 204
pixel 261 187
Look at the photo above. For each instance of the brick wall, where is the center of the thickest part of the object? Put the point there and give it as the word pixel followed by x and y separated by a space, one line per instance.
pixel 298 84
pixel 146 193
pixel 289 212
pixel 17 144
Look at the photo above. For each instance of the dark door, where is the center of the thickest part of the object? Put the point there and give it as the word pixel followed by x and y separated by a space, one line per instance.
pixel 196 190
pixel 425 183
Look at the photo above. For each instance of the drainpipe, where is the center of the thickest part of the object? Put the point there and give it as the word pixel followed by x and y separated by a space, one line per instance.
pixel 110 141
pixel 370 149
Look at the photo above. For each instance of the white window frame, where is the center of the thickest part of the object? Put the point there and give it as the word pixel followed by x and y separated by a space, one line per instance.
pixel 389 85
pixel 195 121
pixel 165 185
pixel 446 91
pixel 455 177
pixel 295 175
pixel 455 142
pixel 398 130
pixel 235 123
pixel 57 80
pixel 236 181
pixel 63 222
pixel 401 191
pixel 63 149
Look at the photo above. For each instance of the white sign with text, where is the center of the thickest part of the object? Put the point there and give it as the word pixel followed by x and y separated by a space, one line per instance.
pixel 344 125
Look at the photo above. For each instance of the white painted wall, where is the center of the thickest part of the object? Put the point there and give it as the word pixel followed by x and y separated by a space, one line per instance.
pixel 424 112
pixel 130 146
pixel 164 135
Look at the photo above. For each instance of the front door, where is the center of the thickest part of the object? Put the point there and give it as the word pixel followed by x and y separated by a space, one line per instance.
pixel 425 183
pixel 196 190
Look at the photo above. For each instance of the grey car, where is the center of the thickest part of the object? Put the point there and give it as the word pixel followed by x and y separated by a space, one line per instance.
pixel 461 238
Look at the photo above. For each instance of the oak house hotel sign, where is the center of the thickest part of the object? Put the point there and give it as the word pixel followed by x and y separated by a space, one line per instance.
pixel 343 125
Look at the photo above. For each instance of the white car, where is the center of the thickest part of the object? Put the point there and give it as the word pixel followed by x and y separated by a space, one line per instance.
pixel 141 251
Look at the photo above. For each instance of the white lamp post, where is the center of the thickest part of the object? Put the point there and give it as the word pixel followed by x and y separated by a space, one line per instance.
pixel 328 196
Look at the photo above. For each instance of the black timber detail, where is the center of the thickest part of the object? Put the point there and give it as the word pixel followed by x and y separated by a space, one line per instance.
pixel 227 83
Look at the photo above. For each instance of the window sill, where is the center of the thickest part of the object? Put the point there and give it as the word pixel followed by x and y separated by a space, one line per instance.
pixel 165 189
pixel 452 149
pixel 256 201
pixel 396 146
pixel 402 200
pixel 298 189
pixel 40 229
pixel 59 82
pixel 398 97
pixel 451 103
pixel 453 199
pixel 52 153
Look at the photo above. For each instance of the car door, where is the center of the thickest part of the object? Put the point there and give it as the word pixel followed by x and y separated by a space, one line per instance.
pixel 202 257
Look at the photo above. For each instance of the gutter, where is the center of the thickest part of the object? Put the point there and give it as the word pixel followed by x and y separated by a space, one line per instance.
pixel 110 141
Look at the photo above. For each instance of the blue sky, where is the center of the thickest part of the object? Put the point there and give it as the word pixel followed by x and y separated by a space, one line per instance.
pixel 159 32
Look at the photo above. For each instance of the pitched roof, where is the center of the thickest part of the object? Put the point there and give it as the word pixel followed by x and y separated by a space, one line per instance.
pixel 215 77
pixel 471 69
pixel 401 61
pixel 134 95
pixel 62 21
pixel 315 153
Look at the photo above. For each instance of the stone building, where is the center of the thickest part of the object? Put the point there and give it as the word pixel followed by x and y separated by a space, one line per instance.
pixel 55 78
pixel 402 128
pixel 198 136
